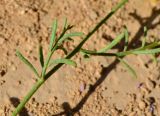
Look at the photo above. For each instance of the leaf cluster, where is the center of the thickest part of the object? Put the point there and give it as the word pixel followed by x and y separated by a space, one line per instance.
pixel 55 44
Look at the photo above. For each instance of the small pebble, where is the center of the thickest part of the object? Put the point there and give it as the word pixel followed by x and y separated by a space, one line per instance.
pixel 19 82
pixel 2 82
pixel 145 90
pixel 14 68
pixel 22 11
pixel 140 85
pixel 82 87
pixel 150 85
pixel 93 14
pixel 142 105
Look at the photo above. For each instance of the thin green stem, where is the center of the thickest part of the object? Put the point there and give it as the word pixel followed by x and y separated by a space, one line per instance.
pixel 28 96
pixel 48 60
pixel 46 63
pixel 46 76
pixel 96 28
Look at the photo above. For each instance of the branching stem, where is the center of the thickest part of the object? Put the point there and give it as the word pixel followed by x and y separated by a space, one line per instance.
pixel 46 76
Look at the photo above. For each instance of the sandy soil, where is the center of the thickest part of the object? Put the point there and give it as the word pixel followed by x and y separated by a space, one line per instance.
pixel 98 86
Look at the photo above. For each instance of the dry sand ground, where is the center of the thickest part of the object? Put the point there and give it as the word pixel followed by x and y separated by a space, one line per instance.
pixel 96 87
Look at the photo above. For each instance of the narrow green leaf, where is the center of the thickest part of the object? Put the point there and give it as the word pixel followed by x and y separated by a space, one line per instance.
pixel 128 67
pixel 113 43
pixel 126 36
pixel 144 38
pixel 145 31
pixel 89 52
pixel 53 35
pixel 65 24
pixel 84 51
pixel 69 27
pixel 66 36
pixel 41 57
pixel 114 9
pixel 60 38
pixel 121 54
pixel 155 59
pixel 69 39
pixel 64 61
pixel 150 51
pixel 150 46
pixel 27 62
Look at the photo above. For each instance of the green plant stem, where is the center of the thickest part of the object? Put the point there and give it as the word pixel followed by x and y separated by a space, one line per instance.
pixel 47 61
pixel 88 36
pixel 28 96
pixel 46 64
pixel 42 80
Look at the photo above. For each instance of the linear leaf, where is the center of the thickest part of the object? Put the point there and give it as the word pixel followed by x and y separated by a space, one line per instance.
pixel 144 38
pixel 145 31
pixel 126 36
pixel 155 59
pixel 128 67
pixel 66 36
pixel 53 35
pixel 120 54
pixel 150 46
pixel 27 62
pixel 89 52
pixel 64 61
pixel 41 57
pixel 113 43
pixel 65 24
pixel 69 39
pixel 150 51
pixel 60 38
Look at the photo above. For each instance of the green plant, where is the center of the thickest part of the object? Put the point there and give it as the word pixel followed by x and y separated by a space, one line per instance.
pixel 152 48
pixel 57 42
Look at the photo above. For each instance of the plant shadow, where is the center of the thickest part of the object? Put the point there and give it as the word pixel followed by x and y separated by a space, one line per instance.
pixel 15 101
pixel 148 22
